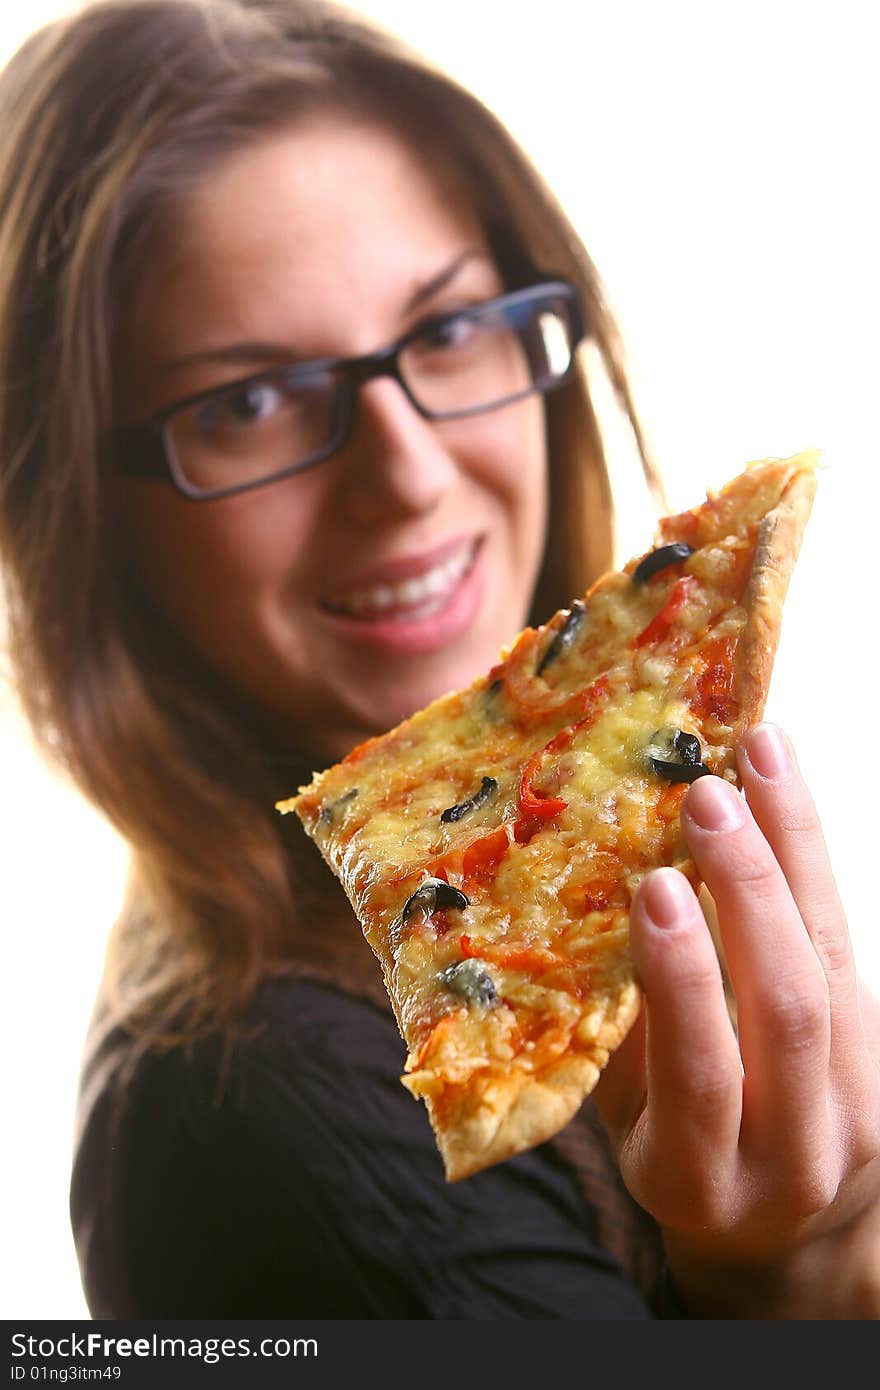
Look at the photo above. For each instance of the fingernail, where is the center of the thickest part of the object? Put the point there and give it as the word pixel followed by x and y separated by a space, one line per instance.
pixel 767 751
pixel 714 805
pixel 665 897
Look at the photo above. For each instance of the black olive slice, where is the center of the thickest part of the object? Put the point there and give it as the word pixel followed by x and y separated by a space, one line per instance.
pixel 658 559
pixel 329 811
pixel 680 772
pixel 479 798
pixel 688 745
pixel 470 980
pixel 564 637
pixel 687 767
pixel 434 893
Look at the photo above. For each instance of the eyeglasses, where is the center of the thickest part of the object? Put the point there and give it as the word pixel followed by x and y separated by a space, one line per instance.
pixel 265 427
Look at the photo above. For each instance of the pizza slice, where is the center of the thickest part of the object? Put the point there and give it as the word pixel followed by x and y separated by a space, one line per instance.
pixel 491 844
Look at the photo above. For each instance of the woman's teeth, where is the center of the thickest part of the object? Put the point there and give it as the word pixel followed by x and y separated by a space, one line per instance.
pixel 428 592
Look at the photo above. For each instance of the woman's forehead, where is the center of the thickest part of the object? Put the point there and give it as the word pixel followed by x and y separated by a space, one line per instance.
pixel 320 181
pixel 329 218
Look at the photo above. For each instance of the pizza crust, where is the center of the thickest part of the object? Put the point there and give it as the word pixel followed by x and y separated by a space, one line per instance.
pixel 507 1113
pixel 779 541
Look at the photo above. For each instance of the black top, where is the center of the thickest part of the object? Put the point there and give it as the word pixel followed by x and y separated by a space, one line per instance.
pixel 309 1186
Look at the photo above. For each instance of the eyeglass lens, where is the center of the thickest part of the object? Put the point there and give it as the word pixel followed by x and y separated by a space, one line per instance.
pixel 466 363
pixel 255 429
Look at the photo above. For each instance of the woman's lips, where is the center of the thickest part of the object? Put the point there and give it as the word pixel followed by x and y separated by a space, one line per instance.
pixel 406 584
pixel 392 572
pixel 420 612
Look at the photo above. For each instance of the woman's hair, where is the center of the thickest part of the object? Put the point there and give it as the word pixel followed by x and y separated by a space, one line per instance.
pixel 108 118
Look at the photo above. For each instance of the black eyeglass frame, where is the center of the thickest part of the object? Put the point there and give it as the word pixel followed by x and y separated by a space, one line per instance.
pixel 143 451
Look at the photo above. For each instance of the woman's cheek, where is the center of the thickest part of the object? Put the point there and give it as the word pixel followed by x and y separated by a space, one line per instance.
pixel 184 554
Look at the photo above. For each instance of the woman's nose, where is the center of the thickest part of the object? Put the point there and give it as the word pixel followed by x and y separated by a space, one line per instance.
pixel 396 462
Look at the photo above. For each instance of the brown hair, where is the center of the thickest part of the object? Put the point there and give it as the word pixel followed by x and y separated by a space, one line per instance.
pixel 108 117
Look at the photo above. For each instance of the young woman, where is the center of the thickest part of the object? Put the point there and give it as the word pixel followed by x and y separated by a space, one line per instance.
pixel 264 492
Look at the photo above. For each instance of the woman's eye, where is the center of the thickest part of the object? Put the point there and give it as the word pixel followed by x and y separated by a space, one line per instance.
pixel 450 333
pixel 254 402
pixel 249 404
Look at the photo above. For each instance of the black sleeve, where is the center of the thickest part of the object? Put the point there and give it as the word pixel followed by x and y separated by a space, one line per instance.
pixel 312 1188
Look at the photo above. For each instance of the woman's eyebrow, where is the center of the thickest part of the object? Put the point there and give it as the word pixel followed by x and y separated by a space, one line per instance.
pixel 439 281
pixel 258 353
pixel 255 353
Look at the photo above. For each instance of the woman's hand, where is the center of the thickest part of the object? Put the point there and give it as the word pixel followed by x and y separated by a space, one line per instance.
pixel 760 1158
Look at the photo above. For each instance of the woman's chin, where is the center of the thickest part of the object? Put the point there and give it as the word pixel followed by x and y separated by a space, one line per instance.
pixel 394 703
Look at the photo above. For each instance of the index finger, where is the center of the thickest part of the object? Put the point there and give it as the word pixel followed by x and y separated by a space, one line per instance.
pixel 784 810
pixel 782 996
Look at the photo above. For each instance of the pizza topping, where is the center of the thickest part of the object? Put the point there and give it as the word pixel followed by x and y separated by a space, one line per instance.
pixel 712 696
pixel 680 772
pixel 528 959
pixel 328 812
pixel 688 745
pixel 471 867
pixel 659 559
pixel 659 626
pixel 471 980
pixel 432 894
pixel 564 636
pixel 537 808
pixel 676 755
pixel 534 808
pixel 479 798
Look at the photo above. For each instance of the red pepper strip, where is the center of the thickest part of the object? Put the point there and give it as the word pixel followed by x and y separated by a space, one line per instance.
pixel 712 688
pixel 536 809
pixel 686 526
pixel 590 700
pixel 531 803
pixel 659 625
pixel 534 700
pixel 669 803
pixel 475 864
pixel 532 960
pixel 483 856
pixel 526 827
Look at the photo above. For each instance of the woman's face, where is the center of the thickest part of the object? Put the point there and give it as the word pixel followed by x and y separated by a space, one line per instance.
pixel 343 598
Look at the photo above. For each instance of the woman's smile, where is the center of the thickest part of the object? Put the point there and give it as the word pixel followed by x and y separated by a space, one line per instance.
pixel 415 603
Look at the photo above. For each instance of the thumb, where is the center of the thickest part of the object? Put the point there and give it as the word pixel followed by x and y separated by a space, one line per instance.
pixel 621 1091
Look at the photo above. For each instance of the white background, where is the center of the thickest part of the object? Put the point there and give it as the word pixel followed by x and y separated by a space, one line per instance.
pixel 720 162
